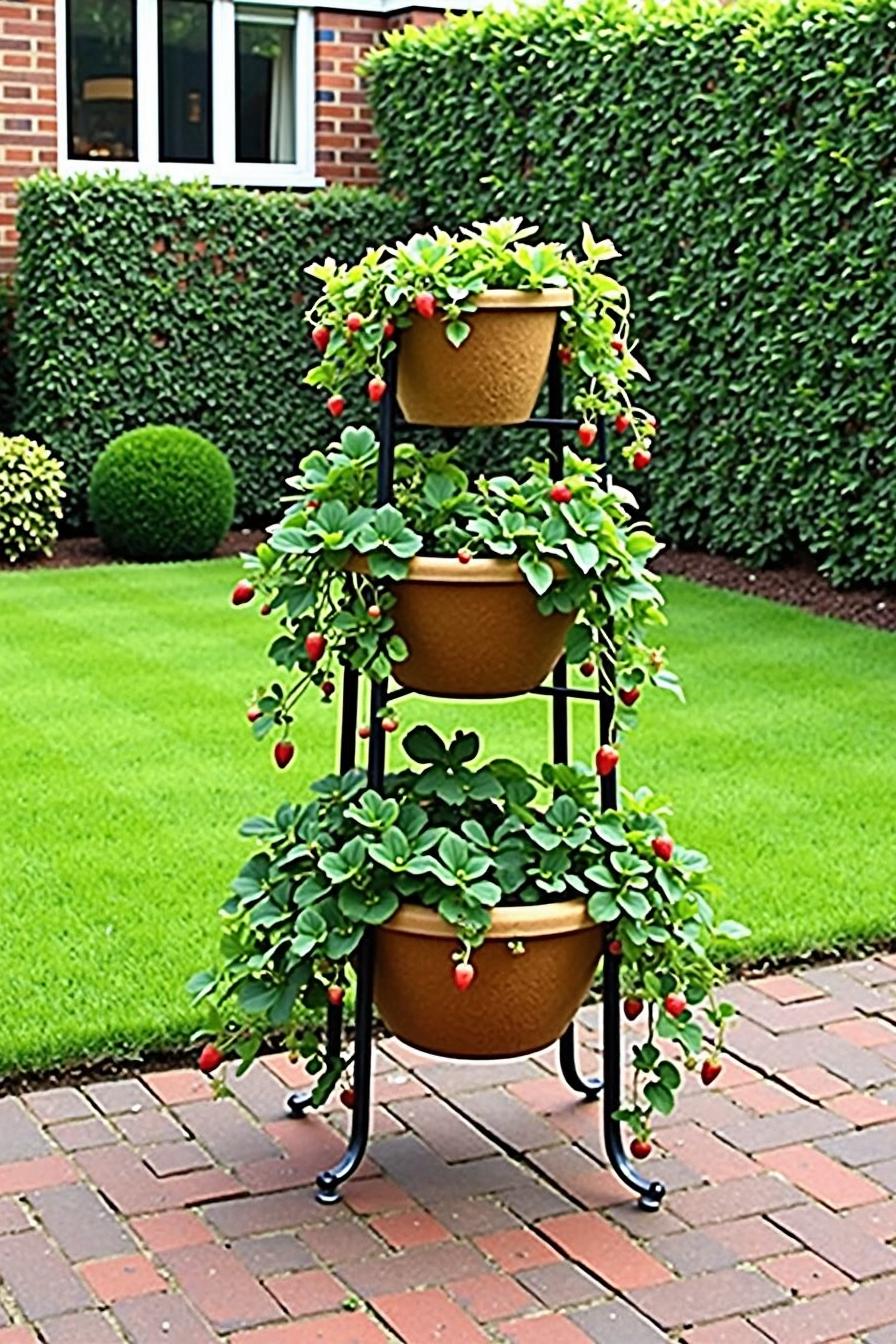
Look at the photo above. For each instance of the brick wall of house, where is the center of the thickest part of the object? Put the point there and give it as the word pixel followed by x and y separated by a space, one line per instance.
pixel 27 104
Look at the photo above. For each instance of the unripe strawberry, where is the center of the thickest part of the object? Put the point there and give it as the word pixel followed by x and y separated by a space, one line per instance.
pixel 376 389
pixel 606 760
pixel 641 460
pixel 335 995
pixel 209 1058
pixel 621 424
pixel 283 753
pixel 560 493
pixel 463 975
pixel 354 322
pixel 641 1148
pixel 614 947
pixel 253 713
pixel 388 329
pixel 242 593
pixel 629 697
pixel 327 688
pixel 675 1004
pixel 464 556
pixel 587 434
pixel 364 732
pixel 632 1008
pixel 374 612
pixel 587 668
pixel 347 1097
pixel 315 646
pixel 662 847
pixel 425 304
pixel 321 338
pixel 390 725
pixel 336 404
pixel 651 421
pixel 710 1071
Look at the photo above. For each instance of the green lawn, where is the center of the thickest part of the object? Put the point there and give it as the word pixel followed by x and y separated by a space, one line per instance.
pixel 126 766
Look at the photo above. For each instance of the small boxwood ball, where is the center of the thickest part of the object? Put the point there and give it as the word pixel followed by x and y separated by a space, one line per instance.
pixel 161 493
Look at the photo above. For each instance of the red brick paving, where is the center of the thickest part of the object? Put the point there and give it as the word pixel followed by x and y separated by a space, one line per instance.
pixel 138 1210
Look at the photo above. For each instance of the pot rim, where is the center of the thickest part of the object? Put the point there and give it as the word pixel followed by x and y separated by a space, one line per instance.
pixel 448 569
pixel 524 298
pixel 523 921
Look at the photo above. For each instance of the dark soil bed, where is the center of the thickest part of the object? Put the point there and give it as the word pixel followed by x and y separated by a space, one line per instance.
pixel 73 552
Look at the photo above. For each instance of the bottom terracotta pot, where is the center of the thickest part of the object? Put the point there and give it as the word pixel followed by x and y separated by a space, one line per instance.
pixel 517 1004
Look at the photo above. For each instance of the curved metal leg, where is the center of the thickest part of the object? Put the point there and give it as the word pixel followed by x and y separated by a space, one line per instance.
pixel 590 1088
pixel 650 1193
pixel 328 1182
pixel 297 1103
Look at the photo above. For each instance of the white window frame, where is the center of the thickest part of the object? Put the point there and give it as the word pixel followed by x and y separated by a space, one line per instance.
pixel 224 170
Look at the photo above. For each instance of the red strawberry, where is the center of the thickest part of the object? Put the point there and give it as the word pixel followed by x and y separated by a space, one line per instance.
pixel 327 688
pixel 376 389
pixel 587 434
pixel 425 304
pixel 388 329
pixel 364 732
pixel 463 975
pixel 606 760
pixel 347 1097
pixel 354 322
pixel 614 947
pixel 374 612
pixel 587 668
pixel 564 354
pixel 321 338
pixel 464 556
pixel 710 1071
pixel 315 645
pixel 629 697
pixel 253 713
pixel 210 1057
pixel 390 725
pixel 313 504
pixel 662 847
pixel 675 1004
pixel 632 1008
pixel 617 345
pixel 336 404
pixel 560 493
pixel 335 995
pixel 242 593
pixel 641 1148
pixel 641 460
pixel 265 609
pixel 283 753
pixel 621 424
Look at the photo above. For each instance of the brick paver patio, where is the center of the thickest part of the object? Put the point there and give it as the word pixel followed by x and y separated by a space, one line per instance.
pixel 142 1210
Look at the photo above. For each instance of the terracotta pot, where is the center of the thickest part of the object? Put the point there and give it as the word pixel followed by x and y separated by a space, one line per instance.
pixel 517 1003
pixel 473 630
pixel 495 377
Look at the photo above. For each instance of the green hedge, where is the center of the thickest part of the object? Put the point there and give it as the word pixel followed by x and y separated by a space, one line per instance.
pixel 743 161
pixel 147 301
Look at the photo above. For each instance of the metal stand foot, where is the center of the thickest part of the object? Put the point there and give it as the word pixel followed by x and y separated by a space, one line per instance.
pixel 590 1088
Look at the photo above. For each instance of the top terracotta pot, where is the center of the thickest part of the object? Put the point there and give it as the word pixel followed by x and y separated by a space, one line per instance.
pixel 495 377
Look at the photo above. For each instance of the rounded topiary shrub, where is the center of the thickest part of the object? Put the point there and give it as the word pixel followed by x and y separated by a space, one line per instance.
pixel 161 493
pixel 32 486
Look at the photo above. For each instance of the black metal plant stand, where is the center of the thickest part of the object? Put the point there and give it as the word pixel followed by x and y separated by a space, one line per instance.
pixel 650 1193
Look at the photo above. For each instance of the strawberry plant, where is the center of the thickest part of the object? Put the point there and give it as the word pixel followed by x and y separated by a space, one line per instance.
pixel 462 838
pixel 363 306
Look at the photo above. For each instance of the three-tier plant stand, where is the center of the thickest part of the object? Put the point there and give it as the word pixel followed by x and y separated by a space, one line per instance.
pixel 608 1089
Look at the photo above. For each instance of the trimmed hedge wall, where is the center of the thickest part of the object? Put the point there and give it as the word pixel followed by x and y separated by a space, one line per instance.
pixel 148 301
pixel 743 162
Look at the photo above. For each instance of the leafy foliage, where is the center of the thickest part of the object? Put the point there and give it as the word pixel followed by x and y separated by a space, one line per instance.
pixel 161 493
pixel 32 489
pixel 738 156
pixel 149 301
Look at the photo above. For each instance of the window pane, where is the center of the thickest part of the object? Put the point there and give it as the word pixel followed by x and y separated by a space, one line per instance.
pixel 185 81
pixel 265 88
pixel 102 79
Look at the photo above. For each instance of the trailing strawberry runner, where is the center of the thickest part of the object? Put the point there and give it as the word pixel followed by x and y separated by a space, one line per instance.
pixel 492 889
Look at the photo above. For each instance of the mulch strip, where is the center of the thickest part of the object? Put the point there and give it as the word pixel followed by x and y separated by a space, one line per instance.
pixel 80 552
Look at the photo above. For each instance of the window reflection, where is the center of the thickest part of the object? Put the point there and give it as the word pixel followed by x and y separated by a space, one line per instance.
pixel 102 79
pixel 265 86
pixel 185 81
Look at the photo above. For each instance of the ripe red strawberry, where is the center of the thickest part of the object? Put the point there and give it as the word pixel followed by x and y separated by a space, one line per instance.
pixel 606 760
pixel 587 434
pixel 336 404
pixel 283 753
pixel 321 338
pixel 253 713
pixel 662 847
pixel 335 995
pixel 390 725
pixel 312 505
pixel 354 322
pixel 641 460
pixel 364 732
pixel 209 1058
pixel 617 345
pixel 374 612
pixel 315 645
pixel 388 329
pixel 614 947
pixel 463 975
pixel 621 424
pixel 675 1004
pixel 560 493
pixel 376 389
pixel 710 1071
pixel 425 304
pixel 629 697
pixel 641 1148
pixel 265 609
pixel 242 593
pixel 632 1008
pixel 347 1097
pixel 564 354
pixel 464 556
pixel 587 668
pixel 327 688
